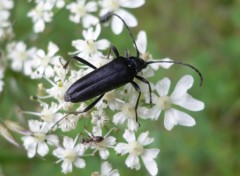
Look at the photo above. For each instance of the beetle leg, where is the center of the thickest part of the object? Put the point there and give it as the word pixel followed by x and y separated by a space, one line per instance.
pixel 114 49
pixel 79 59
pixel 78 112
pixel 89 106
pixel 149 87
pixel 136 86
pixel 126 53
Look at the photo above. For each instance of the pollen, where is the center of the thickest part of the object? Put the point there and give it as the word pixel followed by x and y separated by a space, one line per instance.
pixel 90 46
pixel 129 110
pixel 81 10
pixel 70 155
pixel 47 116
pixel 41 137
pixel 135 148
pixel 113 4
pixel 164 102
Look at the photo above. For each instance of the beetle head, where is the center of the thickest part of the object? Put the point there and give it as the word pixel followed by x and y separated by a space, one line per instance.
pixel 138 63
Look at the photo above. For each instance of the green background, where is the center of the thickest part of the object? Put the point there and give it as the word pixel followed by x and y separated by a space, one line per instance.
pixel 202 33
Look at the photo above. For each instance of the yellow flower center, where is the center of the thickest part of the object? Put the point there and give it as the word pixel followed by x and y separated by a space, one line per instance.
pixel 90 46
pixel 81 10
pixel 113 4
pixel 41 137
pixel 135 148
pixel 129 110
pixel 70 156
pixel 164 102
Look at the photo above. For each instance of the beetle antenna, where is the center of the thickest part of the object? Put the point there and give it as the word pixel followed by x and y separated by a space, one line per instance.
pixel 181 63
pixel 107 17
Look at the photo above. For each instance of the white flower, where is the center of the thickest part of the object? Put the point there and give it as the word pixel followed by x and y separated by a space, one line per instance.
pixel 141 43
pixel 70 154
pixel 101 147
pixel 106 170
pixel 21 58
pixel 5 6
pixel 117 6
pixel 1 78
pixel 43 62
pixel 128 113
pixel 179 97
pixel 59 3
pixel 58 90
pixel 136 149
pixel 99 118
pixel 69 122
pixel 41 14
pixel 5 25
pixel 109 100
pixel 38 139
pixel 81 12
pixel 49 114
pixel 88 48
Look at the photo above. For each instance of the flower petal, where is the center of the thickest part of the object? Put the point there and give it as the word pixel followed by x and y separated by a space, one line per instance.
pixel 165 65
pixel 121 148
pixel 129 136
pixel 188 102
pixel 144 138
pixel 59 152
pixel 91 6
pixel 30 145
pixel 52 139
pixel 97 32
pixel 154 113
pixel 116 25
pixel 149 162
pixel 183 85
pixel 163 86
pixel 66 167
pixel 142 41
pixel 104 153
pixel 129 19
pixel 42 149
pixel 52 49
pixel 174 117
pixel 68 143
pixel 119 118
pixel 106 168
pixel 89 20
pixel 80 163
pixel 132 3
pixel 102 44
pixel 132 124
pixel 132 161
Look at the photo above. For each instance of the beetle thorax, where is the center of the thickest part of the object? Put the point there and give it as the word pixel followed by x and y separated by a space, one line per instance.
pixel 138 63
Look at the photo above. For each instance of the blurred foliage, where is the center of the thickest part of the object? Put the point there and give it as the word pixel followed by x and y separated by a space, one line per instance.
pixel 203 33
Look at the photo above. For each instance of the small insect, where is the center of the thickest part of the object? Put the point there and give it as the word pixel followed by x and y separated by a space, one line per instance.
pixel 90 139
pixel 118 72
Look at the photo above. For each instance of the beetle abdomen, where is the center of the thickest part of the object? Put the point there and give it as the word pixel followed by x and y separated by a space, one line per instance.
pixel 100 81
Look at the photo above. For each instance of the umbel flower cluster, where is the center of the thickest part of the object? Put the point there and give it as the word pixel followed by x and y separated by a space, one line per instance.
pixel 110 127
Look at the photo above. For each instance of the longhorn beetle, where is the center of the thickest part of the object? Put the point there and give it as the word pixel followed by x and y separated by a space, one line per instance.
pixel 120 71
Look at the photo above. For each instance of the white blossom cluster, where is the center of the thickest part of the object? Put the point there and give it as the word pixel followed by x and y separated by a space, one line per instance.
pixel 114 115
pixel 5 24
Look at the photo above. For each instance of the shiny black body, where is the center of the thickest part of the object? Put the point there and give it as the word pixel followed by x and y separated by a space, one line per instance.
pixel 115 74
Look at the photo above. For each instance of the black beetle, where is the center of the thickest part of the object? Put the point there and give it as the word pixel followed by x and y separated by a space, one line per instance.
pixel 120 71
